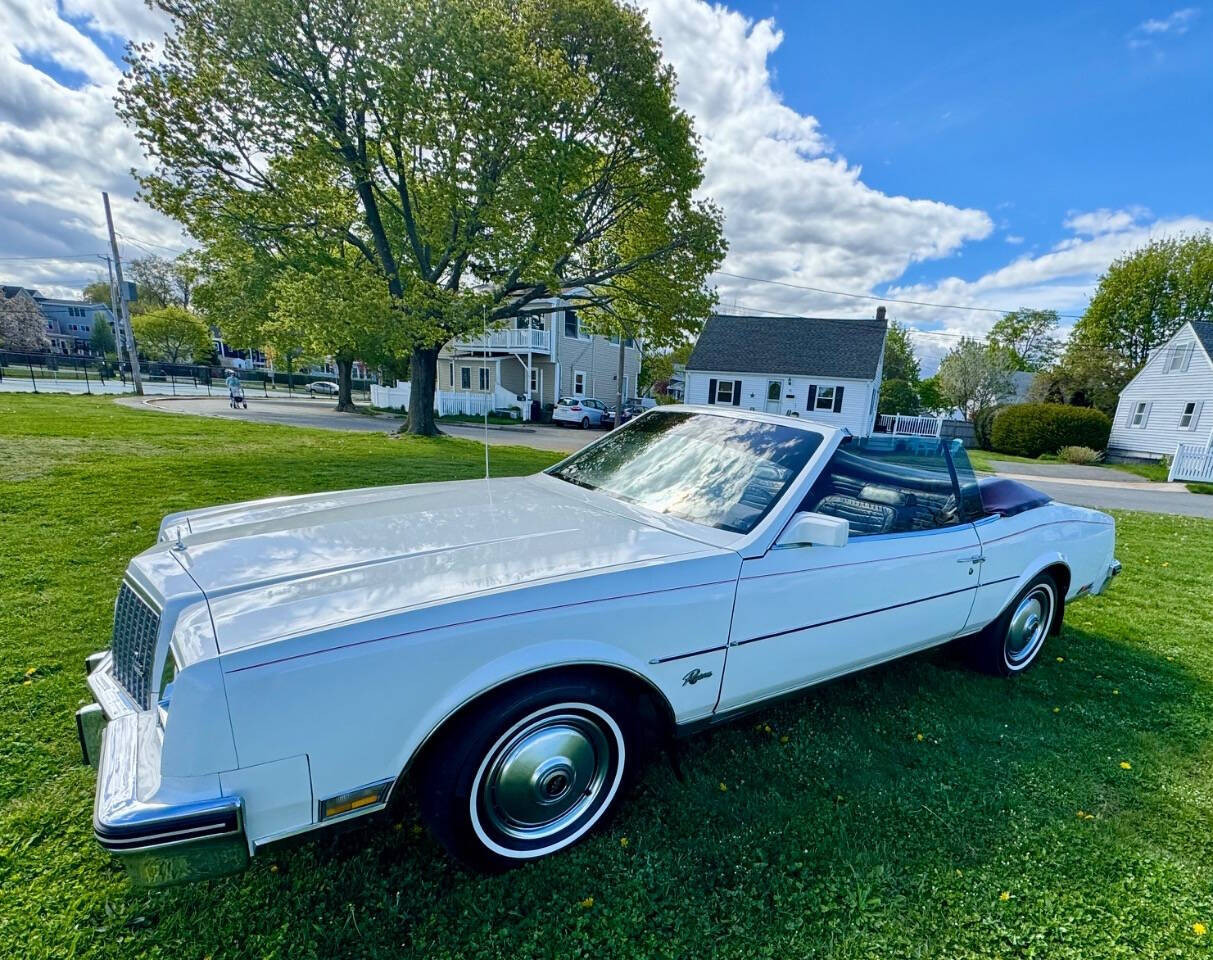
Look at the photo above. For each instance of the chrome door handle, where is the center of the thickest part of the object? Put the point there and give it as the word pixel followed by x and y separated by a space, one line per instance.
pixel 971 560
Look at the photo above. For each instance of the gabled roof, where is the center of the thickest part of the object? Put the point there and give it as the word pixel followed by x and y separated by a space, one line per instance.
pixel 1204 333
pixel 791 346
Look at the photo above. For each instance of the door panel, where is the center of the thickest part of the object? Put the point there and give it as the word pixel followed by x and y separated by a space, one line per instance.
pixel 807 613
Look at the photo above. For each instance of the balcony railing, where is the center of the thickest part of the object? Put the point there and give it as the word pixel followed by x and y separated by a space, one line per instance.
pixel 908 426
pixel 537 341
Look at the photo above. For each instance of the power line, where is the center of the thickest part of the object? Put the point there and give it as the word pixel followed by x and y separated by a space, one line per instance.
pixel 66 256
pixel 140 242
pixel 869 296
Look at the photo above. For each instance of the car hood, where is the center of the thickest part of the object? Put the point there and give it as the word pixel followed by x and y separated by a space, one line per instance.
pixel 274 568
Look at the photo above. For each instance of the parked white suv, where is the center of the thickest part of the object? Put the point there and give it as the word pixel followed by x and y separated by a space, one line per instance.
pixel 579 411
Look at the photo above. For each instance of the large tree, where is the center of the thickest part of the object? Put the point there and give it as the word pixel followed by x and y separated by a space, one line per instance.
pixel 98 291
pixel 974 376
pixel 172 334
pixel 1027 336
pixel 101 340
pixel 478 154
pixel 161 282
pixel 1144 297
pixel 899 360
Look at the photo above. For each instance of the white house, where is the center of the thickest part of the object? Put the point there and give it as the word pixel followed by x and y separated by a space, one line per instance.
pixel 1170 401
pixel 540 356
pixel 816 367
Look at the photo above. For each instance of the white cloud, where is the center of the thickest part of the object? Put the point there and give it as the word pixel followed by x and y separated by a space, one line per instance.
pixel 1176 24
pixel 795 209
pixel 1013 239
pixel 60 147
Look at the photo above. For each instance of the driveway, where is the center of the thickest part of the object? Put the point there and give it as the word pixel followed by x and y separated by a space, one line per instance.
pixel 1106 489
pixel 322 413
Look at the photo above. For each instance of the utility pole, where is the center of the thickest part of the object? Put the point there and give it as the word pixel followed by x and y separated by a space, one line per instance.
pixel 124 313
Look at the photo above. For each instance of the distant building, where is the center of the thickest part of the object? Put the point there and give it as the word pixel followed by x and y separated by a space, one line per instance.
pixel 69 323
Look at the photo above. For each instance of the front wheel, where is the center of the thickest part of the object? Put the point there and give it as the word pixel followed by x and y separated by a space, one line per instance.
pixel 1012 643
pixel 585 423
pixel 530 772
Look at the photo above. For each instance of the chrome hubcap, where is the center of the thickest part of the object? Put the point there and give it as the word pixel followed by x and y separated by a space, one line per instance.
pixel 545 776
pixel 1029 625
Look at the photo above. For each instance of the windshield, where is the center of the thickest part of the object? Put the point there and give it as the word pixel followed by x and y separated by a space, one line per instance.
pixel 719 471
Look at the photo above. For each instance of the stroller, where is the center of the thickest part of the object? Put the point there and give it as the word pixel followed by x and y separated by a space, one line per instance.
pixel 235 398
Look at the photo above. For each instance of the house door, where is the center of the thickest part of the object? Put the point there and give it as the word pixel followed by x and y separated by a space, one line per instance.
pixel 774 395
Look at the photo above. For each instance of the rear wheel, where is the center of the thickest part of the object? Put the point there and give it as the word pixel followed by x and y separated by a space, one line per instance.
pixel 1013 642
pixel 530 771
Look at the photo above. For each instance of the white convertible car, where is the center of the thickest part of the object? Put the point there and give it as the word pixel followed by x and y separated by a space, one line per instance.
pixel 515 647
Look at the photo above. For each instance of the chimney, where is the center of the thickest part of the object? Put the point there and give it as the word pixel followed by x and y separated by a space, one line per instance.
pixel 880 313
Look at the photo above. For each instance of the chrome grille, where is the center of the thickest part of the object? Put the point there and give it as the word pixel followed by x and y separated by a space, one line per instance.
pixel 134 644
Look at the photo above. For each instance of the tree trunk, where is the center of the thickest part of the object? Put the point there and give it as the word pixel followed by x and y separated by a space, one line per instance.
pixel 619 380
pixel 345 373
pixel 423 381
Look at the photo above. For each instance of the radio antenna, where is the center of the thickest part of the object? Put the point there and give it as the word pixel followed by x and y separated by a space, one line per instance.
pixel 484 335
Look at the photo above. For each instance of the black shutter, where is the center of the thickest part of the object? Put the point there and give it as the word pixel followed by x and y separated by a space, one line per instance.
pixel 737 393
pixel 712 391
pixel 812 396
pixel 838 399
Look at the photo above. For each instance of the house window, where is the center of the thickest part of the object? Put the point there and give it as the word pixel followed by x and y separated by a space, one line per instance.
pixel 534 379
pixel 1179 357
pixel 825 398
pixel 570 324
pixel 450 375
pixel 579 383
pixel 724 391
pixel 465 378
pixel 1139 414
pixel 484 378
pixel 1187 420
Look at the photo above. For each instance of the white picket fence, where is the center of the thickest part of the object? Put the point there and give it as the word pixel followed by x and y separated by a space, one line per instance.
pixel 447 402
pixel 906 426
pixel 1192 463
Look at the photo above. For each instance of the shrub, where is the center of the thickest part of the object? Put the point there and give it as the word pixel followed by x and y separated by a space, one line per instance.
pixel 1030 429
pixel 1083 455
pixel 982 424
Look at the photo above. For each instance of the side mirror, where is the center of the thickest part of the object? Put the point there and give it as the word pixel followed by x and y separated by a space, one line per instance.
pixel 817 529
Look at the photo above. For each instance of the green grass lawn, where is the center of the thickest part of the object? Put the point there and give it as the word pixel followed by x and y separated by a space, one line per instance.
pixel 824 827
pixel 1156 472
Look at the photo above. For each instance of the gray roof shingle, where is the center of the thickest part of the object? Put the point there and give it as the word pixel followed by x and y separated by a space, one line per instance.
pixel 1204 333
pixel 790 346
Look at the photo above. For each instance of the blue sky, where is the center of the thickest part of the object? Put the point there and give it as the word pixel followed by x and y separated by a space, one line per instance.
pixel 953 154
pixel 1027 111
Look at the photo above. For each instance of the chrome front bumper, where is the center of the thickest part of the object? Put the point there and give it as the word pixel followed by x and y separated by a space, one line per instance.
pixel 164 833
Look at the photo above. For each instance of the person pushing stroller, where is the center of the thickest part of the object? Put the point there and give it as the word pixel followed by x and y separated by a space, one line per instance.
pixel 235 391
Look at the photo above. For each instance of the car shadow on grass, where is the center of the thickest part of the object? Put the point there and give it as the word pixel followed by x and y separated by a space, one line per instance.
pixel 913 794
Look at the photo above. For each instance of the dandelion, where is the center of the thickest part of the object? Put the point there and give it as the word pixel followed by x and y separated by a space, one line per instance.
pixel 1199 929
pixel 766 728
pixel 1166 564
pixel 587 902
pixel 723 787
pixel 918 737
pixel 31 671
pixel 959 872
pixel 623 841
pixel 27 683
pixel 1061 659
pixel 273 868
pixel 784 738
pixel 1057 709
pixel 1125 765
pixel 1116 693
pixel 1005 896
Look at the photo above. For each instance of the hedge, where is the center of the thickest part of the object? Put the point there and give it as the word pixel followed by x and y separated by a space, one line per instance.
pixel 982 423
pixel 1030 429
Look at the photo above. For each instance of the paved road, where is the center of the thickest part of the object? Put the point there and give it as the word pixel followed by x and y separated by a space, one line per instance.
pixel 1106 489
pixel 322 413
pixel 1086 486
